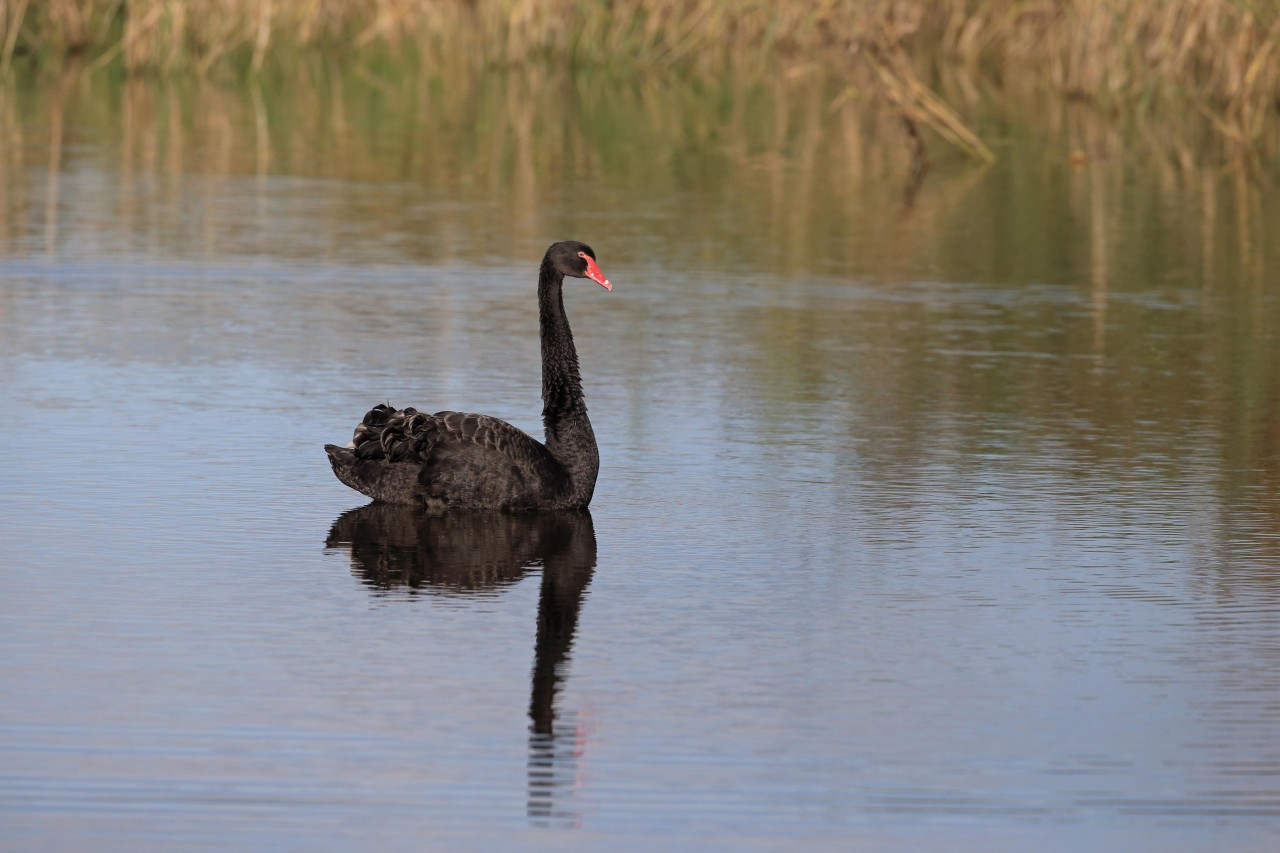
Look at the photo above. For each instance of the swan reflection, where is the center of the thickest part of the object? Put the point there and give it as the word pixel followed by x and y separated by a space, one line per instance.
pixel 395 547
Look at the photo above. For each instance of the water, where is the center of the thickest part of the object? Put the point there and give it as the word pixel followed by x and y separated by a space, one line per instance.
pixel 937 519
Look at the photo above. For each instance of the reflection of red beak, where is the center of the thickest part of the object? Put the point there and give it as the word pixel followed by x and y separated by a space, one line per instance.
pixel 593 272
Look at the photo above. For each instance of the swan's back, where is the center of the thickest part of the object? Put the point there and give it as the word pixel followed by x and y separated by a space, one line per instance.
pixel 448 459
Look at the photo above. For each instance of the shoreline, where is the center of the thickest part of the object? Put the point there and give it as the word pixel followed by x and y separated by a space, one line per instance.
pixel 929 62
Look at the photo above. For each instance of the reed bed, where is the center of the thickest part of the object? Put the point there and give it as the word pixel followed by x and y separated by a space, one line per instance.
pixel 1216 58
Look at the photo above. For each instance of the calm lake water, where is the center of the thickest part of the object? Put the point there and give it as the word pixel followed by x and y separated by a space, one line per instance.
pixel 941 518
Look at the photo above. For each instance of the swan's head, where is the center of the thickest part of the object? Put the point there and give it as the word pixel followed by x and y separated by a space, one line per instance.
pixel 578 260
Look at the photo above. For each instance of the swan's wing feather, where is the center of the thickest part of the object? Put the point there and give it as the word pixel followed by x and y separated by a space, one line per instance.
pixel 462 457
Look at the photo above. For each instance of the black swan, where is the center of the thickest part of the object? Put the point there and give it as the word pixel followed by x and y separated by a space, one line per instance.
pixel 455 459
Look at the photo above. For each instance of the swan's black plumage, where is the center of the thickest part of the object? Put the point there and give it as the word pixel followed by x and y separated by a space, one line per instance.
pixel 457 459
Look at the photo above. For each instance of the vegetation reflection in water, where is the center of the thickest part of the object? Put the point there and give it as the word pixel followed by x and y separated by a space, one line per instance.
pixel 761 170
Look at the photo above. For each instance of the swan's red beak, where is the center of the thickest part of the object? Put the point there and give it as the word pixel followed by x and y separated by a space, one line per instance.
pixel 593 272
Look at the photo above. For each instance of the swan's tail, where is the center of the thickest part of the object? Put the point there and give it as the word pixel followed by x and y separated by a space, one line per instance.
pixel 344 463
pixel 377 478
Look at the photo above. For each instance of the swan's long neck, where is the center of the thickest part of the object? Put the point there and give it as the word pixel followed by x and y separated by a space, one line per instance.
pixel 564 412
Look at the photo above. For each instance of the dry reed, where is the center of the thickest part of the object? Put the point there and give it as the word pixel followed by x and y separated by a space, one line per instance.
pixel 1219 58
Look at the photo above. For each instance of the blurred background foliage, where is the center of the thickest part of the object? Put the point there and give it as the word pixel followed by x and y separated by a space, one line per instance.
pixel 1214 63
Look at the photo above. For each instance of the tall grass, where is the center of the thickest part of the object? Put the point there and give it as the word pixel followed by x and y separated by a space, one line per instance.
pixel 1218 58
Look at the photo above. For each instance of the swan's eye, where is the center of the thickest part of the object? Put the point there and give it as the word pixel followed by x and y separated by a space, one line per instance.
pixel 582 255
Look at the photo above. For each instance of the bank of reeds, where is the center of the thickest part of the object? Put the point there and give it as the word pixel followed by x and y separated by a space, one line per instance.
pixel 1218 58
